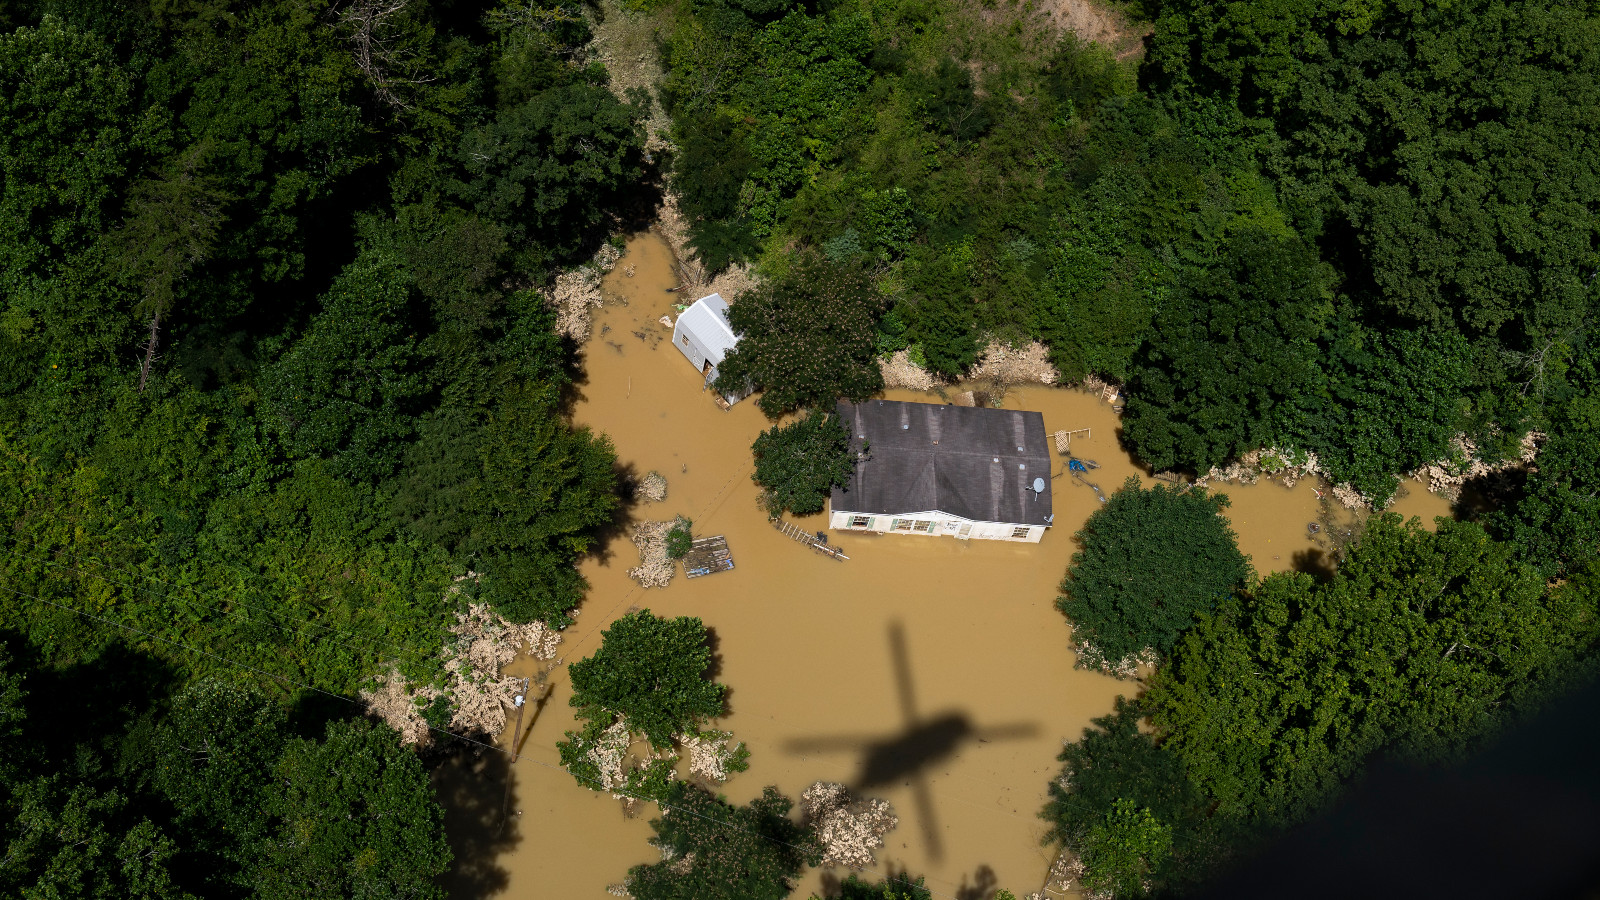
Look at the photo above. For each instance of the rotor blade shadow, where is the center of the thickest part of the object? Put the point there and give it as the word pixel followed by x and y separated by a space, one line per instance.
pixel 927 819
pixel 1013 732
pixel 837 744
pixel 902 673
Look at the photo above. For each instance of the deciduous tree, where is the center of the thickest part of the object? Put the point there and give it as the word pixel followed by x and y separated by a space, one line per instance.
pixel 651 672
pixel 1152 560
pixel 798 464
pixel 716 851
pixel 806 339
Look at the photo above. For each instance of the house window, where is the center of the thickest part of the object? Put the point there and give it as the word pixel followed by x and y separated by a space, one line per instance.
pixel 685 339
pixel 860 521
pixel 1021 531
pixel 922 525
pixel 901 525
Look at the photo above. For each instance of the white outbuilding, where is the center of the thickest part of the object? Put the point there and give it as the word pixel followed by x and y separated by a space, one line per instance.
pixel 704 336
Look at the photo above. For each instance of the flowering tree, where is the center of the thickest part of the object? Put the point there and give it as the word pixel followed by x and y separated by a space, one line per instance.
pixel 806 338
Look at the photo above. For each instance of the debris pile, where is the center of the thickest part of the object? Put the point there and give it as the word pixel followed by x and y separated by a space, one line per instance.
pixel 713 755
pixel 577 291
pixel 849 830
pixel 653 488
pixel 1126 668
pixel 479 698
pixel 900 372
pixel 607 754
pixel 655 568
pixel 1446 476
pixel 1007 365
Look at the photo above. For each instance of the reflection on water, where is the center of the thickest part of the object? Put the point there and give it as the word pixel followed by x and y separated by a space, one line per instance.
pixel 957 724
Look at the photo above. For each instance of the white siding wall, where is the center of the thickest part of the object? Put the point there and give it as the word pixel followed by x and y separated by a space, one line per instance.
pixel 933 524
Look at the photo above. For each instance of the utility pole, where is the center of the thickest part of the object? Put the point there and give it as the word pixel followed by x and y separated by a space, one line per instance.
pixel 516 733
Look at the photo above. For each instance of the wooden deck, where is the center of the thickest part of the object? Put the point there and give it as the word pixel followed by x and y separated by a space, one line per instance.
pixel 795 533
pixel 707 556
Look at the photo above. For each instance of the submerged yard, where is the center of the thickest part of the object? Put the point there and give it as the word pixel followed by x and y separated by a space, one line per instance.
pixel 933 673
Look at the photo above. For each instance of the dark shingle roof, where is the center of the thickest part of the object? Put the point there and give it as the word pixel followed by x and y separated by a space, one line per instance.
pixel 972 462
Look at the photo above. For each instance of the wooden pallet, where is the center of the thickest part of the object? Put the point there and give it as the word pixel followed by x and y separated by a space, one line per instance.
pixel 707 556
pixel 1064 439
pixel 794 532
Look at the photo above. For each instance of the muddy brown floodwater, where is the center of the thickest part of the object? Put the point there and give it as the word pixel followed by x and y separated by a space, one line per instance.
pixel 964 750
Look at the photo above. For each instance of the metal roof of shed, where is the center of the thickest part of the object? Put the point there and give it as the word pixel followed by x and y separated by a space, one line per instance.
pixel 972 462
pixel 707 320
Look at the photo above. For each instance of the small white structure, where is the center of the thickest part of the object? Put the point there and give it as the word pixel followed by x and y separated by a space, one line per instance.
pixel 931 469
pixel 704 335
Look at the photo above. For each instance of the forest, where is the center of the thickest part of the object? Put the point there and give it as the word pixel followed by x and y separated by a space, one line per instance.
pixel 282 389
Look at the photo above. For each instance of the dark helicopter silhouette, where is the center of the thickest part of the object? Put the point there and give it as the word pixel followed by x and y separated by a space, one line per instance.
pixel 904 757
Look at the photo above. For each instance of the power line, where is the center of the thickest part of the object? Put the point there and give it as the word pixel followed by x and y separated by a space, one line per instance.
pixel 597 785
pixel 578 645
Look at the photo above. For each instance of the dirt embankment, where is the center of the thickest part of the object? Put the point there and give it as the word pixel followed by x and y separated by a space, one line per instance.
pixel 1099 23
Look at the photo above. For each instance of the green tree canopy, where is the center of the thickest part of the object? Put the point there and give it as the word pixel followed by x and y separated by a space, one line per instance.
pixel 1116 769
pixel 1451 141
pixel 1153 559
pixel 901 887
pixel 356 818
pixel 1420 642
pixel 716 851
pixel 214 759
pixel 651 672
pixel 1120 851
pixel 1555 524
pixel 1231 352
pixel 1391 403
pixel 349 388
pixel 66 137
pixel 798 464
pixel 67 839
pixel 553 166
pixel 544 490
pixel 807 338
pixel 943 316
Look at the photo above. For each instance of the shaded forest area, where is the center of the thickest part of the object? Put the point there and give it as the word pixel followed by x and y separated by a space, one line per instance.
pixel 276 369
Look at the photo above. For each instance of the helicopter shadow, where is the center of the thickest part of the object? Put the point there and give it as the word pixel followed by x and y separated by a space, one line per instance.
pixel 906 756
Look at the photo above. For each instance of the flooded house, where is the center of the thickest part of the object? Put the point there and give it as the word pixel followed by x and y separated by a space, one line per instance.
pixel 935 469
pixel 703 334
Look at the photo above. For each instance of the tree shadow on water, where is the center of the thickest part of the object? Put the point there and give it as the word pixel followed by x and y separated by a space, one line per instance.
pixel 1316 563
pixel 615 534
pixel 982 887
pixel 480 821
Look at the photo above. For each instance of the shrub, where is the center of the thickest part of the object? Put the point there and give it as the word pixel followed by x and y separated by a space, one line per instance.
pixel 798 464
pixel 679 538
pixel 1152 560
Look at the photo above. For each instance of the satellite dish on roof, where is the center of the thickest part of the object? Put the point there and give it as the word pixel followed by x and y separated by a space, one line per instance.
pixel 1038 485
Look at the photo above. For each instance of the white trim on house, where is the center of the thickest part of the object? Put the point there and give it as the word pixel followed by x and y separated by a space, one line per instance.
pixel 934 523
